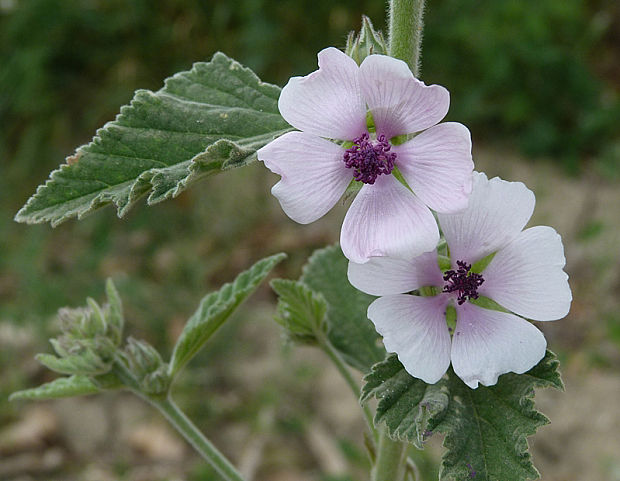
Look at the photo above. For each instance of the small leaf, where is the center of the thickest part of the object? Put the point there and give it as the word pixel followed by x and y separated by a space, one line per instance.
pixel 408 406
pixel 215 308
pixel 211 118
pixel 58 388
pixel 349 329
pixel 86 362
pixel 114 316
pixel 300 310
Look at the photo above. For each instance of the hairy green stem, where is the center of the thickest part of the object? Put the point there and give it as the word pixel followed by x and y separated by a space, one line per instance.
pixel 406 23
pixel 200 443
pixel 180 422
pixel 391 460
pixel 346 374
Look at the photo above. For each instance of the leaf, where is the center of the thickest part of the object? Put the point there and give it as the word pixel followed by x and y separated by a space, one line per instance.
pixel 486 428
pixel 349 329
pixel 58 388
pixel 86 362
pixel 408 406
pixel 300 310
pixel 206 120
pixel 215 308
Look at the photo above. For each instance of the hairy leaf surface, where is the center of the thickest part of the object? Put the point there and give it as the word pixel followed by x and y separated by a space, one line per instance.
pixel 215 308
pixel 206 120
pixel 486 428
pixel 349 329
pixel 407 405
pixel 58 388
pixel 301 311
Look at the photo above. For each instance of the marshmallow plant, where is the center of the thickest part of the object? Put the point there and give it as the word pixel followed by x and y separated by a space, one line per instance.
pixel 430 295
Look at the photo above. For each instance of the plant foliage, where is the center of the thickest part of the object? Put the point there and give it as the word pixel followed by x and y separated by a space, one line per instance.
pixel 486 428
pixel 209 119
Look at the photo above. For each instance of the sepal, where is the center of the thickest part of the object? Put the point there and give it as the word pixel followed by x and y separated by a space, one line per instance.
pixel 368 42
pixel 146 366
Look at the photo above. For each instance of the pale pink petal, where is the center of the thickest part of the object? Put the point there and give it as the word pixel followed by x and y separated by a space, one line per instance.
pixel 313 174
pixel 327 102
pixel 497 211
pixel 387 219
pixel 415 329
pixel 526 276
pixel 400 103
pixel 489 343
pixel 438 167
pixel 382 276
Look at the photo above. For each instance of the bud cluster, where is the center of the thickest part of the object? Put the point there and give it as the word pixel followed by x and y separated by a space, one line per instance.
pixel 89 337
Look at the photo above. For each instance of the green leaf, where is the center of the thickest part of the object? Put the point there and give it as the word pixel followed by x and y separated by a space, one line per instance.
pixel 408 406
pixel 211 118
pixel 215 308
pixel 486 428
pixel 86 362
pixel 300 310
pixel 58 388
pixel 349 329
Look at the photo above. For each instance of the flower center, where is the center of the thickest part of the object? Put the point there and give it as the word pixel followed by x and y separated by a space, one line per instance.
pixel 463 281
pixel 369 159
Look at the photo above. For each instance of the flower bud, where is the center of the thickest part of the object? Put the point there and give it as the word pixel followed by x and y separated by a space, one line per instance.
pixel 89 339
pixel 367 42
pixel 147 366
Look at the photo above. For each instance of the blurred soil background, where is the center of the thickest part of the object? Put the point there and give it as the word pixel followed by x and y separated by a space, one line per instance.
pixel 538 85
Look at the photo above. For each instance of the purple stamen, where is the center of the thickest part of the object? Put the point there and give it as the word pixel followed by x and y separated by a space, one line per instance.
pixel 463 281
pixel 369 159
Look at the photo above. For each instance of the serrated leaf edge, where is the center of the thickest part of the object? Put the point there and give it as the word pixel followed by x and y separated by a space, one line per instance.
pixel 143 184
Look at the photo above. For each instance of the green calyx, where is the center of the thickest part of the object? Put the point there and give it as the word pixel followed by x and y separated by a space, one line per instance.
pixel 368 42
pixel 146 366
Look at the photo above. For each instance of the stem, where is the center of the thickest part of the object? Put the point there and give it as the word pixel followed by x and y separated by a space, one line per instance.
pixel 199 442
pixel 346 374
pixel 181 423
pixel 390 462
pixel 406 22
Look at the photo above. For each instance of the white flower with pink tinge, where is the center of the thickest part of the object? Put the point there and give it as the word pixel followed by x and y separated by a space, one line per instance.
pixel 330 106
pixel 525 276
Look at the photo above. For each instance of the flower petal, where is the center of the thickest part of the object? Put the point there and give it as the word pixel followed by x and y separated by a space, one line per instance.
pixel 497 211
pixel 387 219
pixel 327 102
pixel 382 276
pixel 313 174
pixel 415 328
pixel 400 103
pixel 489 343
pixel 438 167
pixel 526 276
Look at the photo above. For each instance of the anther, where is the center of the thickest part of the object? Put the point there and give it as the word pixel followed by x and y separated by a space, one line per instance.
pixel 462 281
pixel 369 159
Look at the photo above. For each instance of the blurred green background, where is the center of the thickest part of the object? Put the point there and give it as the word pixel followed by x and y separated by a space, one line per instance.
pixel 537 83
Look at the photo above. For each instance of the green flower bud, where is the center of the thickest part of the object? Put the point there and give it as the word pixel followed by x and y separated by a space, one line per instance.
pixel 147 366
pixel 89 339
pixel 367 42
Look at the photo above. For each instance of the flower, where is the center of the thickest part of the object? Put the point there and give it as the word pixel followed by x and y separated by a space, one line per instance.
pixel 330 108
pixel 492 259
